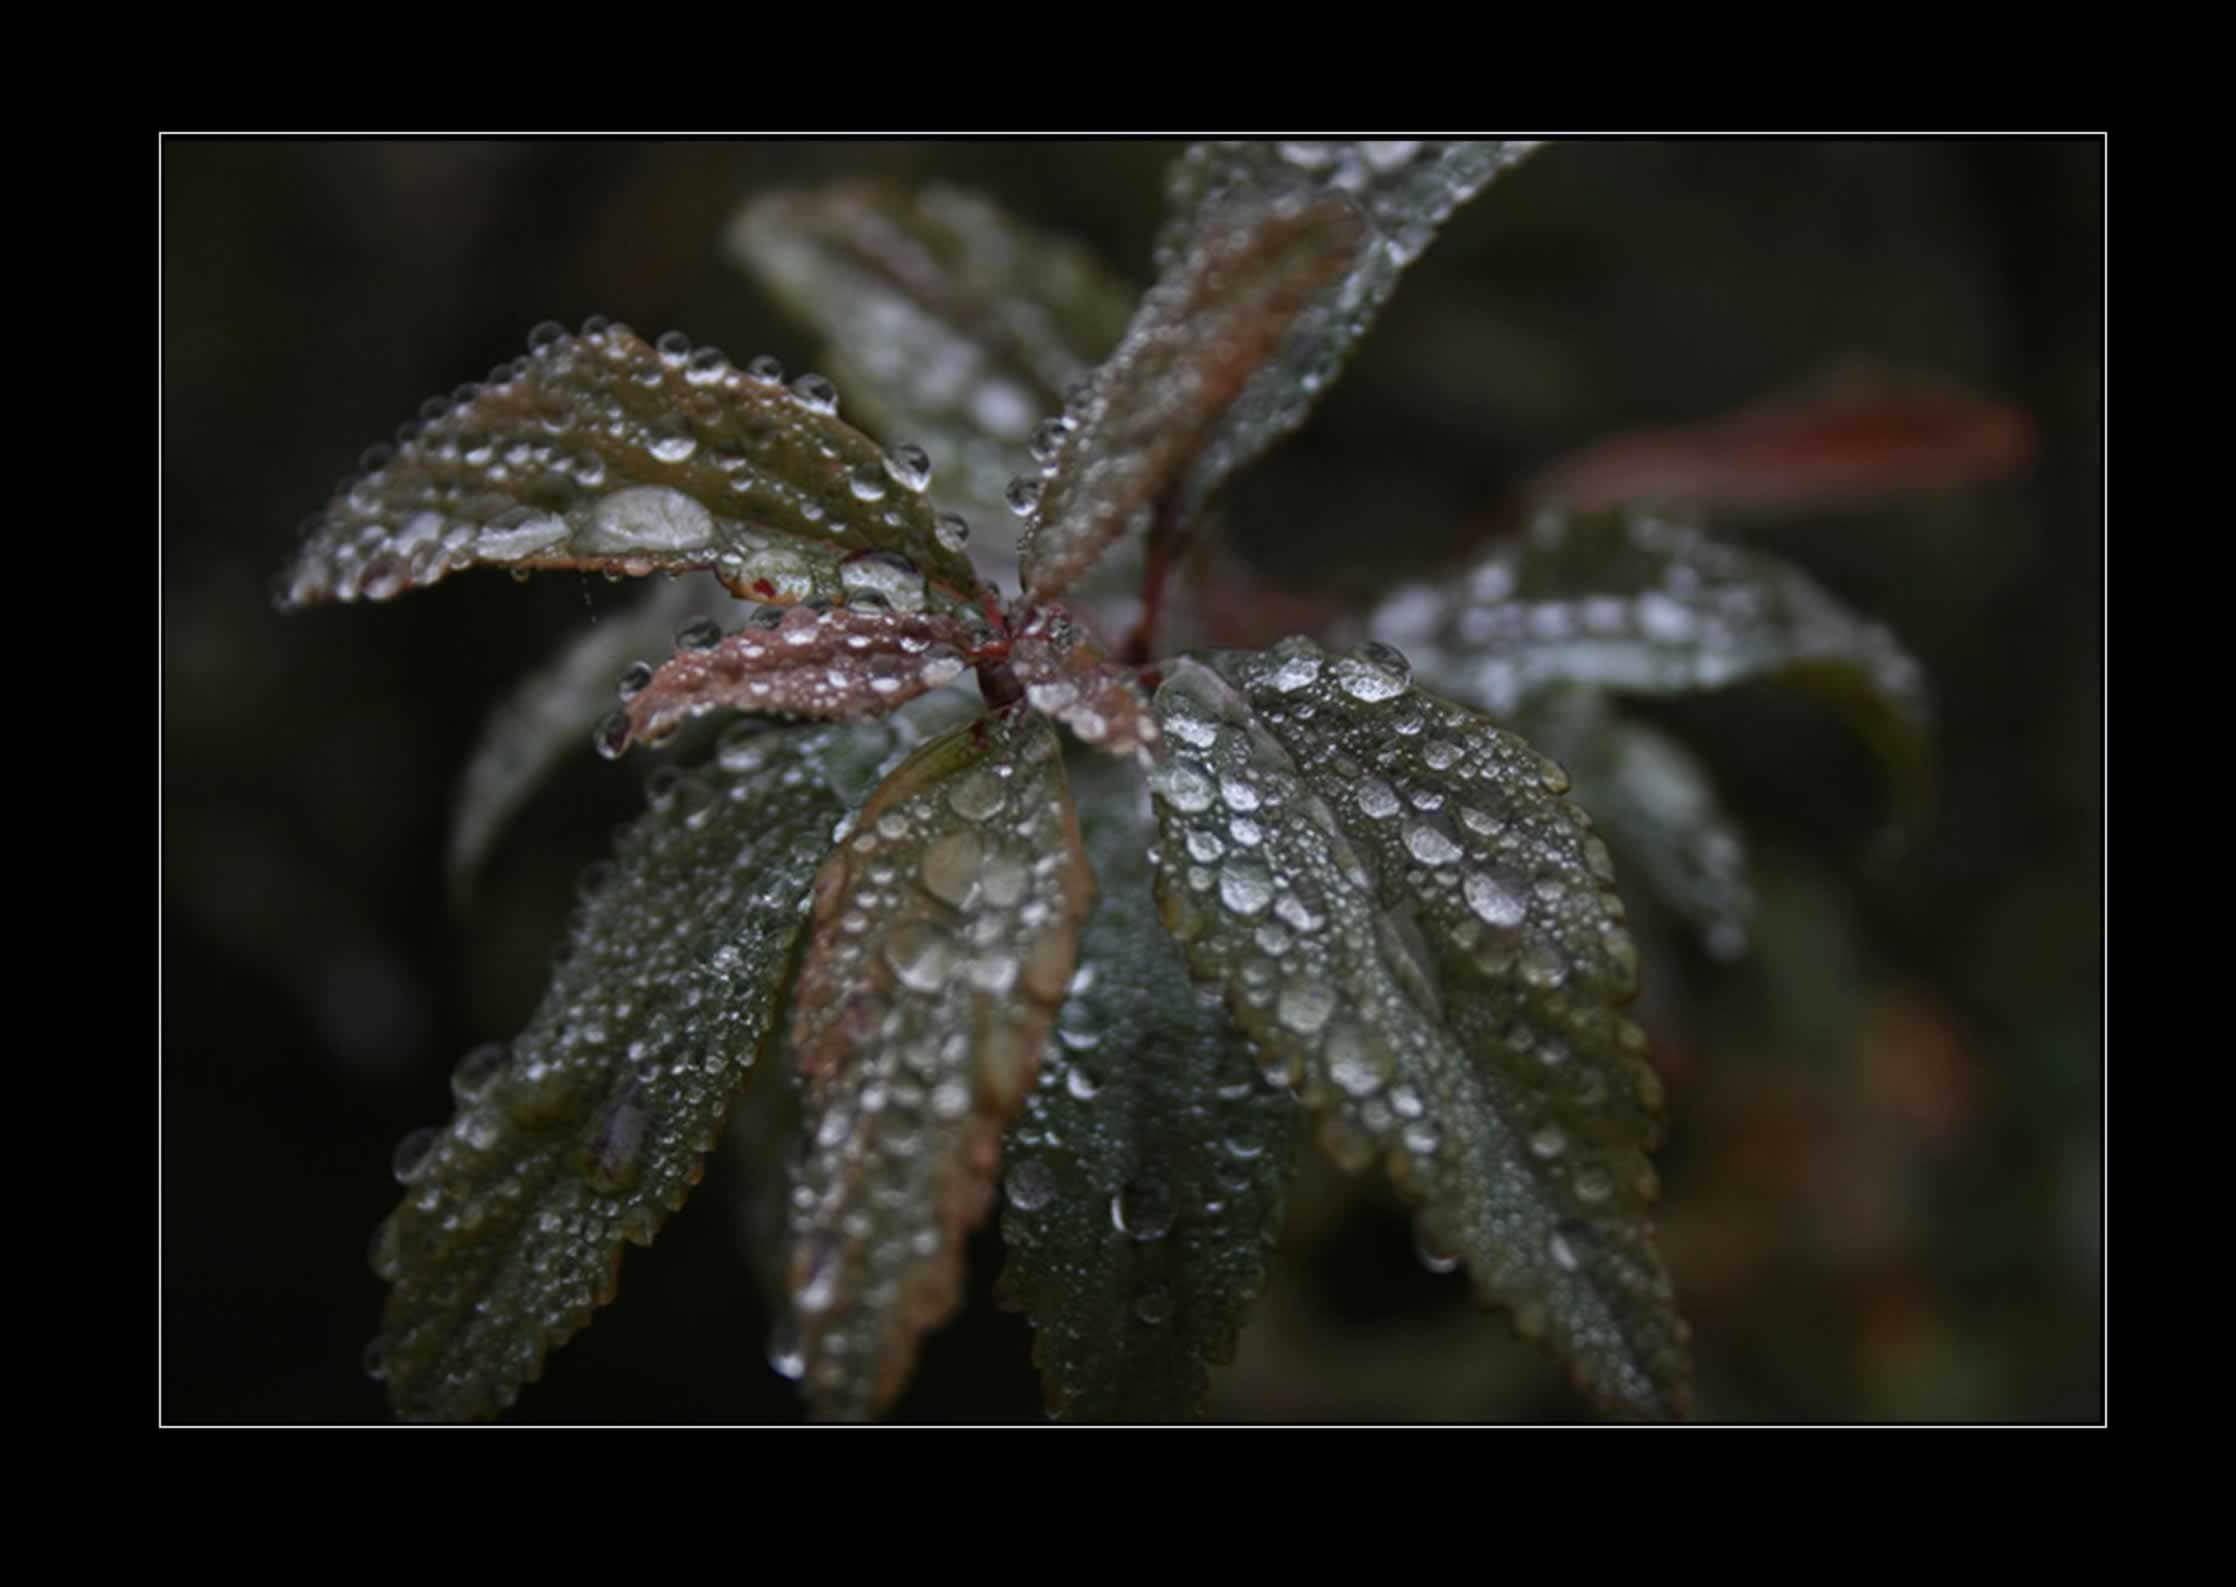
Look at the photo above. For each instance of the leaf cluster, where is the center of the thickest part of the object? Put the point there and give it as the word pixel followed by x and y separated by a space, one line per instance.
pixel 1021 905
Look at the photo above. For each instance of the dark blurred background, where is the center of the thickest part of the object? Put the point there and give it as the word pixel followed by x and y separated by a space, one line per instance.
pixel 1882 1183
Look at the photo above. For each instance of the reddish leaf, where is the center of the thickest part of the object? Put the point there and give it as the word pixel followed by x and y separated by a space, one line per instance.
pixel 1797 452
pixel 1219 313
pixel 1067 674
pixel 944 936
pixel 844 661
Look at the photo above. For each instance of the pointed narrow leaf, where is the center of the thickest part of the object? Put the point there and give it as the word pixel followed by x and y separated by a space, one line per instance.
pixel 944 934
pixel 602 451
pixel 1402 909
pixel 589 1130
pixel 1145 1181
pixel 1406 191
pixel 548 717
pixel 830 663
pixel 1068 675
pixel 1218 312
pixel 956 327
pixel 1649 605
pixel 1859 438
pixel 1654 803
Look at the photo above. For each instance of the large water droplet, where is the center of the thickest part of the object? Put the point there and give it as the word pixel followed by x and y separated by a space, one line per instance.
pixel 1144 1210
pixel 1493 904
pixel 1029 1185
pixel 649 518
pixel 412 1153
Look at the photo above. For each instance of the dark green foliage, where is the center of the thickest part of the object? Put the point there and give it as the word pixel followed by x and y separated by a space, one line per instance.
pixel 1334 886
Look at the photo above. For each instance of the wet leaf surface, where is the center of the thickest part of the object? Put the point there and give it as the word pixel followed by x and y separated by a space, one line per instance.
pixel 1068 675
pixel 1219 311
pixel 1643 604
pixel 1405 190
pixel 1400 906
pixel 603 451
pixel 944 936
pixel 1144 1184
pixel 1654 803
pixel 589 1128
pixel 828 664
pixel 952 325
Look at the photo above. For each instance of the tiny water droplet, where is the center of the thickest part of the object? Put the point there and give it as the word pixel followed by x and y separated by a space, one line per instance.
pixel 702 633
pixel 411 1155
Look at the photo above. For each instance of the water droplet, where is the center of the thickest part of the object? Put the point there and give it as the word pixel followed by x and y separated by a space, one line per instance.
pixel 1048 440
pixel 1377 799
pixel 1304 1006
pixel 910 466
pixel 1562 1253
pixel 978 795
pixel 673 347
pixel 612 735
pixel 1548 1141
pixel 1493 904
pixel 671 439
pixel 1023 496
pixel 1295 672
pixel 412 1153
pixel 1154 1305
pixel 477 1069
pixel 702 633
pixel 649 518
pixel 1184 788
pixel 636 680
pixel 1029 1185
pixel 922 956
pixel 785 1355
pixel 950 867
pixel 1245 888
pixel 1143 1210
pixel 816 393
pixel 1352 1062
pixel 1427 843
pixel 613 1150
pixel 952 531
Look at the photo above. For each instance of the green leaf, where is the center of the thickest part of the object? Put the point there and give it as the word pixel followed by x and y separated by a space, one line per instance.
pixel 1642 604
pixel 1654 803
pixel 1145 1180
pixel 1406 192
pixel 589 1130
pixel 805 661
pixel 1218 312
pixel 601 451
pixel 1402 909
pixel 945 931
pixel 953 326
pixel 550 714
